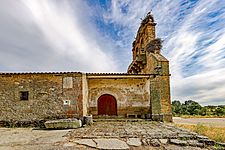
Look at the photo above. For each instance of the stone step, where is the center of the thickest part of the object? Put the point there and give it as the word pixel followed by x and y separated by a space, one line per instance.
pixel 63 124
pixel 120 120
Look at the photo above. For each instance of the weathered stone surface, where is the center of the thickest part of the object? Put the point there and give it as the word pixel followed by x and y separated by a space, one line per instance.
pixel 195 143
pixel 28 139
pixel 207 141
pixel 21 138
pixel 45 98
pixel 177 147
pixel 144 142
pixel 69 144
pixel 155 142
pixel 132 99
pixel 145 129
pixel 163 141
pixel 185 136
pixel 148 141
pixel 202 137
pixel 87 142
pixel 178 142
pixel 134 141
pixel 111 144
pixel 88 120
pixel 63 124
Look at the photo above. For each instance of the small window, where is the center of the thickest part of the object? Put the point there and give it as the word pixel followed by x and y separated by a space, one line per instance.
pixel 66 102
pixel 24 95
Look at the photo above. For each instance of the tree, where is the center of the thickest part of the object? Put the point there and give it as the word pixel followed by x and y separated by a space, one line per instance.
pixel 184 110
pixel 193 107
pixel 187 108
pixel 203 111
pixel 220 111
pixel 176 107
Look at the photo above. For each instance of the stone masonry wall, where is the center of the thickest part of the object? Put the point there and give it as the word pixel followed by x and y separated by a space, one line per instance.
pixel 132 94
pixel 160 86
pixel 165 101
pixel 50 96
pixel 72 92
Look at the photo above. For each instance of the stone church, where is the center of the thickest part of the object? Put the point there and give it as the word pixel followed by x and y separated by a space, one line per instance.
pixel 142 92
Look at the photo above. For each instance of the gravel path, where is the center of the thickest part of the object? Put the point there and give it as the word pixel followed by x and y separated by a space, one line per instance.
pixel 220 122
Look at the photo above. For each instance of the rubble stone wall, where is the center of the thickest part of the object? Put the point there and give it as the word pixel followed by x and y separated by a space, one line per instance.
pixel 50 96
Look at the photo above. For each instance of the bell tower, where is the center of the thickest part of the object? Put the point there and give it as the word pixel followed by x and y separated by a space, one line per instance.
pixel 147 59
pixel 144 45
pixel 145 34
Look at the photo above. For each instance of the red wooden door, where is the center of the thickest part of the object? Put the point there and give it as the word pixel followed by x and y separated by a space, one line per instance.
pixel 107 105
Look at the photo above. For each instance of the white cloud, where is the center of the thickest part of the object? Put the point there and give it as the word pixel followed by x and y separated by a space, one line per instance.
pixel 63 27
pixel 203 83
pixel 61 35
pixel 194 46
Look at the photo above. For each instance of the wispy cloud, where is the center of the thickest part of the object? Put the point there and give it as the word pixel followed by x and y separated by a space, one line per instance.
pixel 194 42
pixel 96 36
pixel 197 54
pixel 56 35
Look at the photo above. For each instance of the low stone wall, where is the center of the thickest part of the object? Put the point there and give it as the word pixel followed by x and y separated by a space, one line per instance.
pixel 23 123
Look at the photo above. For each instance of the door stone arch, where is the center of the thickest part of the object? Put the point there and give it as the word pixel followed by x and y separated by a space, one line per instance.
pixel 107 105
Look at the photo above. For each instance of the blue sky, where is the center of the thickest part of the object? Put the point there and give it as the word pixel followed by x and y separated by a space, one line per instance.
pixel 96 36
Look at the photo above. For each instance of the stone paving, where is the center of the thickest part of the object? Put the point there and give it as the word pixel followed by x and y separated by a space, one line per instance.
pixel 143 135
pixel 136 135
pixel 131 130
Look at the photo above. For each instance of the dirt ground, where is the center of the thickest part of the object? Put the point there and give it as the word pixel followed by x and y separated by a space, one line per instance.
pixel 27 138
pixel 219 122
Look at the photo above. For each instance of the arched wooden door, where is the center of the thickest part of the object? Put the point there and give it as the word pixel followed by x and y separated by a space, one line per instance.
pixel 107 105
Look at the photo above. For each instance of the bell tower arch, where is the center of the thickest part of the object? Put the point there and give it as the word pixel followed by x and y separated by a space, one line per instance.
pixel 144 44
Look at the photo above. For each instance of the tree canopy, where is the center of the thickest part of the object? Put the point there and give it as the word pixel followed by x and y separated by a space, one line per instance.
pixel 191 107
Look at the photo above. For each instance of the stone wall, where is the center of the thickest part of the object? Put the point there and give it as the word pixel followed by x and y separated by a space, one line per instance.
pixel 67 95
pixel 156 64
pixel 160 99
pixel 159 85
pixel 50 96
pixel 132 93
pixel 165 101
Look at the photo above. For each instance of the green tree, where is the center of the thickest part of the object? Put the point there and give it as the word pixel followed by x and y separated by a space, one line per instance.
pixel 184 110
pixel 176 107
pixel 219 111
pixel 189 107
pixel 193 107
pixel 203 111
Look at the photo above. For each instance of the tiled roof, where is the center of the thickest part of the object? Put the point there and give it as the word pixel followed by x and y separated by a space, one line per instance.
pixel 90 73
pixel 117 74
pixel 18 73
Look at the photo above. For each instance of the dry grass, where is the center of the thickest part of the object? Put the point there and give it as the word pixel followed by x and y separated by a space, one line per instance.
pixel 215 133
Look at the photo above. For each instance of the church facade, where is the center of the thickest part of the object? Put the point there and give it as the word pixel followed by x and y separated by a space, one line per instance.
pixel 142 92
